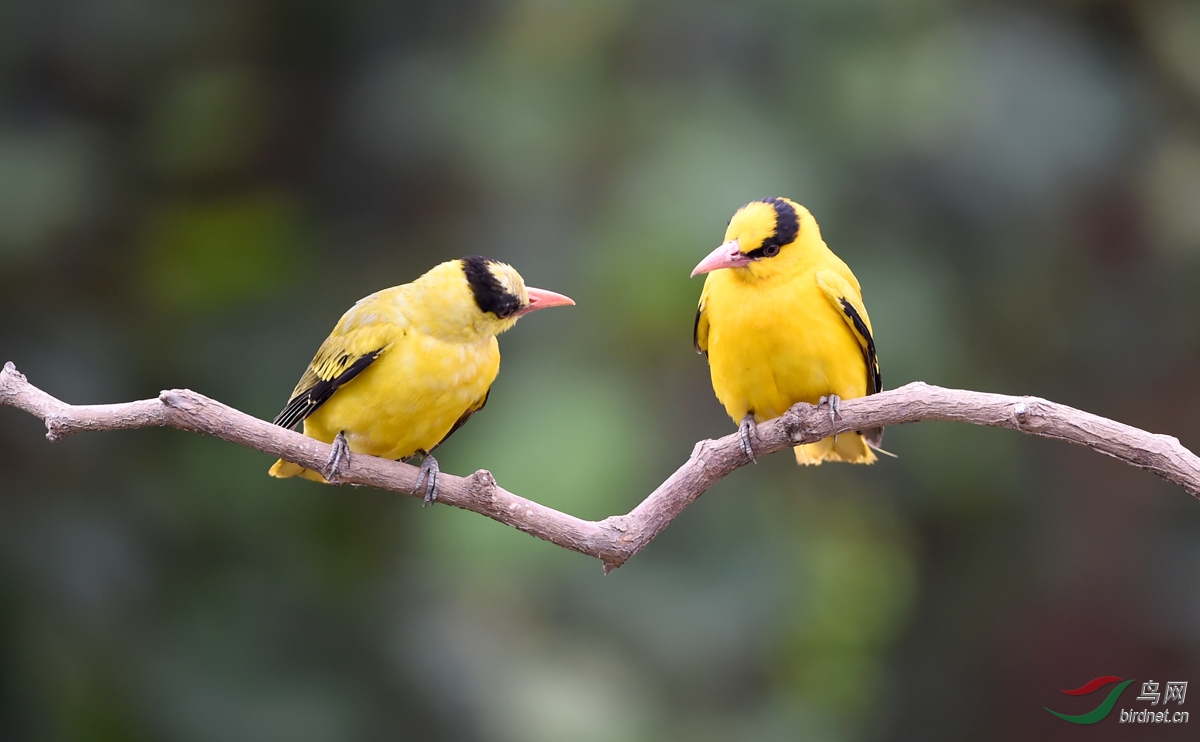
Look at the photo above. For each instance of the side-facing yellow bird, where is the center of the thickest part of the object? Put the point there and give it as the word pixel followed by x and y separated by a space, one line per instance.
pixel 782 321
pixel 406 366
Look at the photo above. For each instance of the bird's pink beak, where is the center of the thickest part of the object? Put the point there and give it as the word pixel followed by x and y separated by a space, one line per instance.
pixel 541 299
pixel 728 255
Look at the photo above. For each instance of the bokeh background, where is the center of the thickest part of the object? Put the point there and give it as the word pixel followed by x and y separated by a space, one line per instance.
pixel 192 192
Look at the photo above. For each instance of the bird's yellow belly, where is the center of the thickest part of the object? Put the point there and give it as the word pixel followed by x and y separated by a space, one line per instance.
pixel 766 361
pixel 410 398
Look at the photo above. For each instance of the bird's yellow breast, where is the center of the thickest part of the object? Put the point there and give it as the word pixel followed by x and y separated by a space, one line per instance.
pixel 774 343
pixel 410 398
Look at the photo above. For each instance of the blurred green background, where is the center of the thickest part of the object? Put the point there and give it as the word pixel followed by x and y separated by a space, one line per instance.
pixel 192 192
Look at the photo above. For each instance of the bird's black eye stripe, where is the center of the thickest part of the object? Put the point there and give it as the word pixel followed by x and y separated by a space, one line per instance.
pixel 787 226
pixel 768 250
pixel 489 295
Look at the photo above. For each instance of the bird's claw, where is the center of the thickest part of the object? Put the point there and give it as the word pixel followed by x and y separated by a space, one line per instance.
pixel 835 406
pixel 339 459
pixel 428 476
pixel 745 429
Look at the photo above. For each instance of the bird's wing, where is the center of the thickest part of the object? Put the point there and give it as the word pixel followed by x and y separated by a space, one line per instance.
pixel 361 336
pixel 700 328
pixel 847 299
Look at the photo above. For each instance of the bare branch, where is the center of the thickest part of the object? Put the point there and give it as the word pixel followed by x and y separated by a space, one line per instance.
pixel 615 539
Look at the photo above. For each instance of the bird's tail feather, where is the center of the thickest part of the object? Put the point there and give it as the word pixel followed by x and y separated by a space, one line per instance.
pixel 874 439
pixel 850 448
pixel 285 469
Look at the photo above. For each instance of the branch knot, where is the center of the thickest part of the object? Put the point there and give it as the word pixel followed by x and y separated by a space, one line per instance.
pixel 701 450
pixel 482 485
pixel 178 399
pixel 8 377
pixel 57 428
pixel 792 423
pixel 1021 413
pixel 803 423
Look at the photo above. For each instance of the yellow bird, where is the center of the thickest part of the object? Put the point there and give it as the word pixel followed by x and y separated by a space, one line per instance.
pixel 406 366
pixel 781 320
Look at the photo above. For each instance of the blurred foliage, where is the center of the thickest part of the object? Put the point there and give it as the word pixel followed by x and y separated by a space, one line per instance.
pixel 191 193
pixel 207 256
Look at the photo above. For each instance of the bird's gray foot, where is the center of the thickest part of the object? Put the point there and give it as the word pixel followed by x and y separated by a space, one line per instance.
pixel 339 459
pixel 835 406
pixel 428 476
pixel 745 430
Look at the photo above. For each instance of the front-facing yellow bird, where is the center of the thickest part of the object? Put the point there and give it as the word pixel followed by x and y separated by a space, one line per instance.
pixel 405 367
pixel 782 321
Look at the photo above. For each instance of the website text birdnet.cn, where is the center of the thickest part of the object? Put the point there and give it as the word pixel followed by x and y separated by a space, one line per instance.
pixel 1174 691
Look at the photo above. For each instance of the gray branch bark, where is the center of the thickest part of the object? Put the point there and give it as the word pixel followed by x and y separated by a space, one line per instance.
pixel 617 538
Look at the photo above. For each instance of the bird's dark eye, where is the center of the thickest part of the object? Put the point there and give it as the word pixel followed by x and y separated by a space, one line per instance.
pixel 506 306
pixel 768 250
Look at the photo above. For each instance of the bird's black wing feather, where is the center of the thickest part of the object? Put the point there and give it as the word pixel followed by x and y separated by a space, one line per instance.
pixel 696 331
pixel 873 436
pixel 465 416
pixel 874 378
pixel 304 403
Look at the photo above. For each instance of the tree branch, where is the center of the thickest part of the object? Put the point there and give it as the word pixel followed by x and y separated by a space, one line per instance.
pixel 617 538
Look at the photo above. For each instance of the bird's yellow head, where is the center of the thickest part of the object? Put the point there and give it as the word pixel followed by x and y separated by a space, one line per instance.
pixel 500 295
pixel 762 238
pixel 475 297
